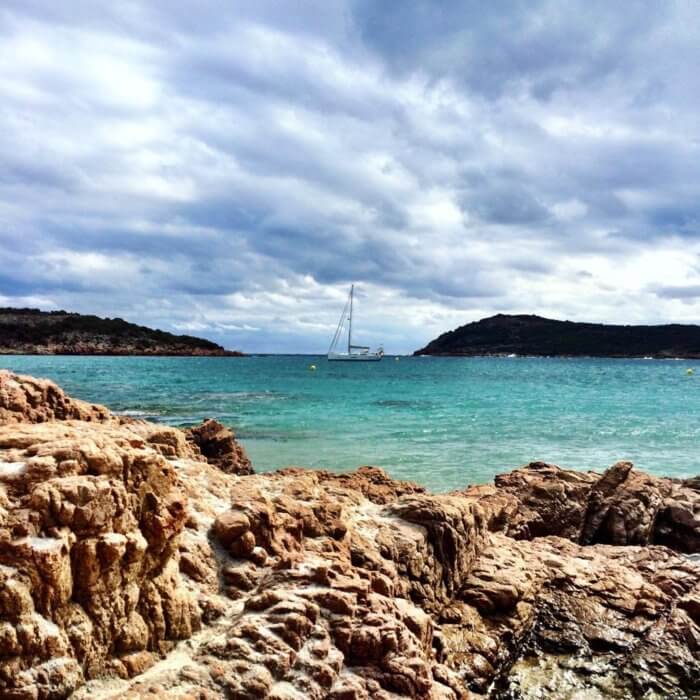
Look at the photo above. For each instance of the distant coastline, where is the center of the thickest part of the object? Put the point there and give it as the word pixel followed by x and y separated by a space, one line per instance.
pixel 534 336
pixel 36 332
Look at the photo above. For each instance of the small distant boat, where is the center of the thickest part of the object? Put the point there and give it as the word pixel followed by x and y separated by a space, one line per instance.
pixel 355 353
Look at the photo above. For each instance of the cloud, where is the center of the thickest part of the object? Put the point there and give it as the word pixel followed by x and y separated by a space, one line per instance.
pixel 687 292
pixel 233 172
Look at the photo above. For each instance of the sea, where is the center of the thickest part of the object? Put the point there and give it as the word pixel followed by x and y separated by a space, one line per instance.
pixel 443 422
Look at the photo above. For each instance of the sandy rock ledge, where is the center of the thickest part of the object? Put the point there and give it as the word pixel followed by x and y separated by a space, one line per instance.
pixel 141 561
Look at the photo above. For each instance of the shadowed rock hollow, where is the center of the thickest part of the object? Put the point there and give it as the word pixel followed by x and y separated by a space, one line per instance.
pixel 138 561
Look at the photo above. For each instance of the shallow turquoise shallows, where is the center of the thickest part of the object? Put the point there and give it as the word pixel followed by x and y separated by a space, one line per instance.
pixel 445 422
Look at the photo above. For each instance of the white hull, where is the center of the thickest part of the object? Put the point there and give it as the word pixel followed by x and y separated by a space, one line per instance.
pixel 343 356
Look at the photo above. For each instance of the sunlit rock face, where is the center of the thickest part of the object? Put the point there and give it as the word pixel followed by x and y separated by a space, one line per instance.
pixel 623 506
pixel 28 400
pixel 138 561
pixel 90 525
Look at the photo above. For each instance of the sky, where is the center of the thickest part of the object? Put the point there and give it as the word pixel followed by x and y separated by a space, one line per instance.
pixel 228 169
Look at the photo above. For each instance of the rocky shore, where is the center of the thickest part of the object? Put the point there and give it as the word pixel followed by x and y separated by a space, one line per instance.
pixel 142 561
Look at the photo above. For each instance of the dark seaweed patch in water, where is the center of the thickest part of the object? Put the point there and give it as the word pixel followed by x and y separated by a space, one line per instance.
pixel 403 403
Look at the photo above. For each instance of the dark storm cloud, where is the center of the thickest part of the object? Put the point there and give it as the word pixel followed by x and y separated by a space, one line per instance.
pixel 495 48
pixel 229 172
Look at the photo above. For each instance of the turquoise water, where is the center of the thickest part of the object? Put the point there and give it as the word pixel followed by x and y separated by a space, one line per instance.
pixel 444 422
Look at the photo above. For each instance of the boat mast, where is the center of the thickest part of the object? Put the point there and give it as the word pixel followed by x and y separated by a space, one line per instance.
pixel 341 327
pixel 352 289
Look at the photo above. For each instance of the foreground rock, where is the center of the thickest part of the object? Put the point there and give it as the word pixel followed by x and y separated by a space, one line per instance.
pixel 622 507
pixel 29 400
pixel 217 443
pixel 134 564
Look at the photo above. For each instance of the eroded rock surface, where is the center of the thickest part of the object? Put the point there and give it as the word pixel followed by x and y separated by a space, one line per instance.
pixel 90 522
pixel 28 400
pixel 623 506
pixel 218 444
pixel 136 562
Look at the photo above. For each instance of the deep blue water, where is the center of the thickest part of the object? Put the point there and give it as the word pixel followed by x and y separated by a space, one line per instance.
pixel 444 422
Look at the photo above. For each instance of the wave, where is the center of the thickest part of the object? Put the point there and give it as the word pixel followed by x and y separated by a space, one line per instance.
pixel 138 413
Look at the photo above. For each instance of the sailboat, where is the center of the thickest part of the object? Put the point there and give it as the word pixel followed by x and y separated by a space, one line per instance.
pixel 356 353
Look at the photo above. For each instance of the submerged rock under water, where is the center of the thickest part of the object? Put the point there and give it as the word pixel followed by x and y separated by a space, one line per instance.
pixel 138 561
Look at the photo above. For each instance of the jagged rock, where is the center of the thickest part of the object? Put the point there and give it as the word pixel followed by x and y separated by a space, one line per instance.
pixel 551 500
pixel 25 399
pixel 133 567
pixel 89 528
pixel 554 600
pixel 373 483
pixel 623 506
pixel 427 597
pixel 217 443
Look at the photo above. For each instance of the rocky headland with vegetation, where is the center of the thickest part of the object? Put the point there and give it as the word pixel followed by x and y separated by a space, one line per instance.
pixel 143 561
pixel 535 336
pixel 35 332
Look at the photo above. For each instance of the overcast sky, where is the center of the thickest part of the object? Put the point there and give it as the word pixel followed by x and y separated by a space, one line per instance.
pixel 227 169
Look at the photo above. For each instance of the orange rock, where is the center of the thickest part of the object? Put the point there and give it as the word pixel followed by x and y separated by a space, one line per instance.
pixel 123 543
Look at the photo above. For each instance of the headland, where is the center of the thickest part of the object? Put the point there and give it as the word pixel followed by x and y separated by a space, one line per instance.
pixel 35 332
pixel 535 336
